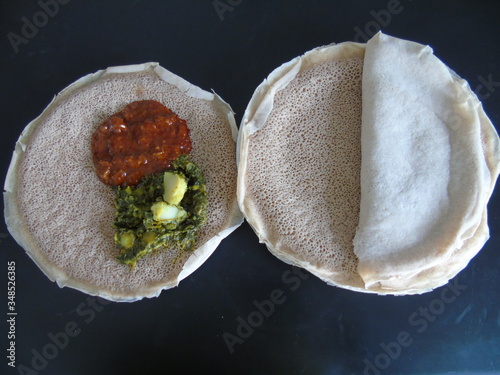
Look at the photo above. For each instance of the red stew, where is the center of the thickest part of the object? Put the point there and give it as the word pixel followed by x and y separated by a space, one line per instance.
pixel 140 140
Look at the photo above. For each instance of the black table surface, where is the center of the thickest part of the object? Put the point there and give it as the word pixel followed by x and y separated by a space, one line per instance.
pixel 243 311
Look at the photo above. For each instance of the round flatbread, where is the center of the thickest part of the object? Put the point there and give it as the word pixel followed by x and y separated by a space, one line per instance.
pixel 59 211
pixel 370 165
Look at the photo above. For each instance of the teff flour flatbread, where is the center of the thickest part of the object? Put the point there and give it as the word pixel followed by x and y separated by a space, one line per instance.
pixel 370 165
pixel 60 212
pixel 378 143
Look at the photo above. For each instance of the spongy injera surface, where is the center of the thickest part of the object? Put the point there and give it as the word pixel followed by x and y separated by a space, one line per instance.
pixel 70 212
pixel 303 168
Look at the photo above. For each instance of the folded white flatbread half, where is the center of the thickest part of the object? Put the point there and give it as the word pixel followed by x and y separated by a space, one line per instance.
pixel 370 165
pixel 59 211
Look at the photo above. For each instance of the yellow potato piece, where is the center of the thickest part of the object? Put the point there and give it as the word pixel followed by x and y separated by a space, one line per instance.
pixel 149 237
pixel 127 240
pixel 174 187
pixel 164 211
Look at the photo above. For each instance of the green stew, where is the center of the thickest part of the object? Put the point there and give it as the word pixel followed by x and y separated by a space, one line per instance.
pixel 145 222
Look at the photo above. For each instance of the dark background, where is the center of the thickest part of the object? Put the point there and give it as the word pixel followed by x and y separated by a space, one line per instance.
pixel 315 329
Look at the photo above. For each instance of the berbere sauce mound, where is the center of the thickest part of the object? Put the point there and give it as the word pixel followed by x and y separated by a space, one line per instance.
pixel 142 139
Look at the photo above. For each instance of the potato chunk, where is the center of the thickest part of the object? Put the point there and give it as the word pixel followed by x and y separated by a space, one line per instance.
pixel 127 239
pixel 163 211
pixel 149 237
pixel 174 187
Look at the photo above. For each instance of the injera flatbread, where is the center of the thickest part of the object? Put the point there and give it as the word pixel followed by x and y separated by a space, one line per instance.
pixel 299 148
pixel 59 211
pixel 304 153
pixel 425 181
